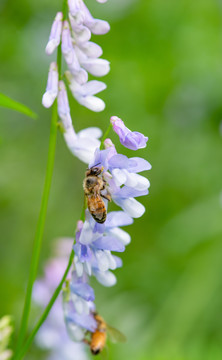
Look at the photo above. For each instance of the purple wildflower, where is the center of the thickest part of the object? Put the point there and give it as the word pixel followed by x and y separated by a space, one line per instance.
pixel 84 143
pixel 95 243
pixel 121 170
pixel 53 336
pixel 55 35
pixel 52 86
pixel 130 139
pixel 81 55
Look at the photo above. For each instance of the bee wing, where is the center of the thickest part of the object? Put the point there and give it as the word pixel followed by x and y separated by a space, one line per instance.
pixel 115 335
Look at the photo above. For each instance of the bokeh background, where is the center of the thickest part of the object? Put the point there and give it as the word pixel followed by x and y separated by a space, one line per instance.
pixel 166 82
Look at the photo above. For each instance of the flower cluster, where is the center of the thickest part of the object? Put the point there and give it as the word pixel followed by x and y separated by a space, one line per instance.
pixel 81 55
pixel 52 335
pixel 95 242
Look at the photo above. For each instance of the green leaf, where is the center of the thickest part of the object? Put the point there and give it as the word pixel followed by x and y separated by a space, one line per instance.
pixel 7 102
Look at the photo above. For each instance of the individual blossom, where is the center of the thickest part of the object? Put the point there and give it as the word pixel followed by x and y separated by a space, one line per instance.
pixel 52 86
pixel 85 94
pixel 55 34
pixel 133 140
pixel 82 144
pixel 52 335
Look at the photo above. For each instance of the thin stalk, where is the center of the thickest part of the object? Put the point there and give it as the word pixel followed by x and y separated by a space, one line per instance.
pixel 40 227
pixel 105 135
pixel 42 215
pixel 46 311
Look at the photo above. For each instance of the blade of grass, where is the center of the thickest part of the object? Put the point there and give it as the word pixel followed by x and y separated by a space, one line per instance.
pixel 9 103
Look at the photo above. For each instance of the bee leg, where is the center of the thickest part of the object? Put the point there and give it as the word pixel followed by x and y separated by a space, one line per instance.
pixel 107 197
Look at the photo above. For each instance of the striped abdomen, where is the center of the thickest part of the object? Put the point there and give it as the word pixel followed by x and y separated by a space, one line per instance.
pixel 97 208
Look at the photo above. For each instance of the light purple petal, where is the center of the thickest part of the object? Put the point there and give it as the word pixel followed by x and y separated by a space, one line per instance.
pixel 120 234
pixel 92 87
pixel 92 103
pixel 91 49
pixel 100 158
pixel 52 86
pixel 109 243
pixel 96 67
pixel 74 7
pixel 55 34
pixel 97 27
pixel 100 228
pixel 106 278
pixel 137 164
pixel 92 132
pixel 130 139
pixel 128 192
pixel 67 47
pixel 131 206
pixel 134 140
pixel 83 290
pixel 118 260
pixel 136 181
pixel 118 218
pixel 63 106
pixel 85 321
pixel 82 34
pixel 119 161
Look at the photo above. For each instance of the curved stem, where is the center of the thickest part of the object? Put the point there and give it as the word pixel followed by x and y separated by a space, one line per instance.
pixel 105 136
pixel 40 227
pixel 46 311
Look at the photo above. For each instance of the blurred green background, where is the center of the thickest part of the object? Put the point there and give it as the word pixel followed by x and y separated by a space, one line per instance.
pixel 165 81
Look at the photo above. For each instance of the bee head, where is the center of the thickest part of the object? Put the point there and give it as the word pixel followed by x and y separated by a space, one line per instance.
pixel 94 170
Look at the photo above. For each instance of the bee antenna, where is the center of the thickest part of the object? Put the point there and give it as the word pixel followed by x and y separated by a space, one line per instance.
pixel 94 166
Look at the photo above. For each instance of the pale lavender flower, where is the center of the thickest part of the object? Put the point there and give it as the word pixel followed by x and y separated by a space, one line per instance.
pixel 130 139
pixel 55 35
pixel 52 86
pixel 63 106
pixel 93 247
pixel 97 26
pixel 120 170
pixel 67 47
pixel 95 243
pixel 52 335
pixel 84 94
pixel 84 143
pixel 81 55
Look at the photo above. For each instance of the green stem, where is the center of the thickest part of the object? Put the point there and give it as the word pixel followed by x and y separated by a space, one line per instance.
pixel 105 135
pixel 42 214
pixel 40 228
pixel 46 311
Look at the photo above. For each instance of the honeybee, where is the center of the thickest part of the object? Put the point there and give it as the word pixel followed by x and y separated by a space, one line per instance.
pixel 93 184
pixel 99 337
